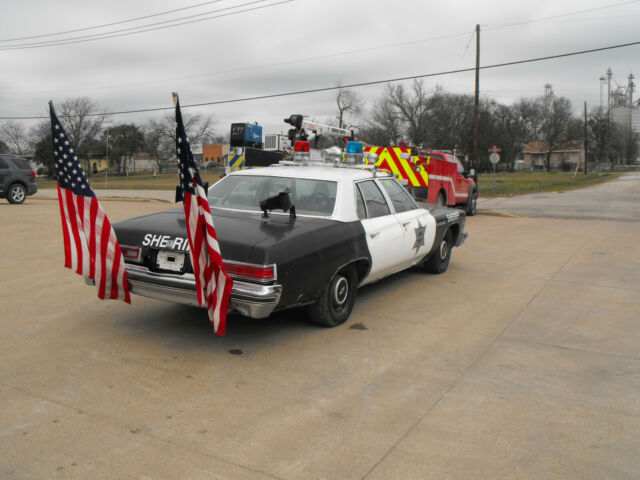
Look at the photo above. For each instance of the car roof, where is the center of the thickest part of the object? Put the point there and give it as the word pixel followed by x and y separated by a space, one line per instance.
pixel 310 172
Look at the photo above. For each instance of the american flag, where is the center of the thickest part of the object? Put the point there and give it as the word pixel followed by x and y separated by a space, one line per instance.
pixel 213 285
pixel 90 245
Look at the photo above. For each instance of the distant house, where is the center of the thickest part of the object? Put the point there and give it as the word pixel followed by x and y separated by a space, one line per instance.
pixel 565 157
pixel 98 164
pixel 214 152
pixel 140 162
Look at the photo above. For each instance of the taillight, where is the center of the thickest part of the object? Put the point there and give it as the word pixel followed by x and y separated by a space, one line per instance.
pixel 131 253
pixel 33 173
pixel 246 271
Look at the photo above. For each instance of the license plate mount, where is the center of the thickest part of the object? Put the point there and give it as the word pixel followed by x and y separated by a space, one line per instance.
pixel 168 260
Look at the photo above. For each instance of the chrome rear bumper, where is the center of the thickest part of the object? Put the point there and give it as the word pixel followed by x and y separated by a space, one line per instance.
pixel 249 299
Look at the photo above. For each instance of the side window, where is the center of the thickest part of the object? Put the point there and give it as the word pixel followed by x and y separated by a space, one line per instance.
pixel 3 164
pixel 460 167
pixel 373 199
pixel 402 201
pixel 20 163
pixel 361 211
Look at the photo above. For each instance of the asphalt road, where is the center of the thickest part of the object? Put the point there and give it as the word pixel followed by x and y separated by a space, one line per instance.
pixel 522 361
pixel 618 199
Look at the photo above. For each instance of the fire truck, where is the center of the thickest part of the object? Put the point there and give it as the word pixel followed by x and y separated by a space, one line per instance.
pixel 431 176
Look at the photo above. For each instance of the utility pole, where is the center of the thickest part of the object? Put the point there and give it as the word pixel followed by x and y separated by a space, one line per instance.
pixel 609 75
pixel 585 138
pixel 476 106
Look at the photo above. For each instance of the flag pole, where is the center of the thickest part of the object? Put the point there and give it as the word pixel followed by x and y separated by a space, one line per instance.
pixel 175 98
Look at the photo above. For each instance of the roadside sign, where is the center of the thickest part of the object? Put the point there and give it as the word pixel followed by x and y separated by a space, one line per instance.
pixel 494 158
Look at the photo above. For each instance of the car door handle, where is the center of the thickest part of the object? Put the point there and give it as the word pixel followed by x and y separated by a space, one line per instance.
pixel 374 234
pixel 404 224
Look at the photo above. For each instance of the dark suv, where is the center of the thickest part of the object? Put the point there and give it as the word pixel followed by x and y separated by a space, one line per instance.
pixel 17 180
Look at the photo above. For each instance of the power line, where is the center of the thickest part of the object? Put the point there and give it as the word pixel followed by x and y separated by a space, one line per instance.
pixel 139 29
pixel 110 24
pixel 352 85
pixel 143 29
pixel 318 57
pixel 542 19
pixel 276 64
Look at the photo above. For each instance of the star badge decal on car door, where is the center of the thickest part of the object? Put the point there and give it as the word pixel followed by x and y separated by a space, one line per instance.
pixel 419 236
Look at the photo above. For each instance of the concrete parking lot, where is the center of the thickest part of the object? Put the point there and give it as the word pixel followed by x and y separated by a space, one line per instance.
pixel 522 361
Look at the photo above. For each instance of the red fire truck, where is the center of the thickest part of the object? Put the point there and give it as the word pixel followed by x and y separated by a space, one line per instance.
pixel 449 182
pixel 434 177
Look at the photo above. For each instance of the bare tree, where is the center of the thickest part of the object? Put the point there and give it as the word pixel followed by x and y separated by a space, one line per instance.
pixel 14 135
pixel 531 112
pixel 81 122
pixel 384 126
pixel 348 101
pixel 555 127
pixel 413 107
pixel 160 134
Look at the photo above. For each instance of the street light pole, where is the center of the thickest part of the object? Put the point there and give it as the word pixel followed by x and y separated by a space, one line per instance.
pixel 106 170
pixel 476 106
pixel 585 138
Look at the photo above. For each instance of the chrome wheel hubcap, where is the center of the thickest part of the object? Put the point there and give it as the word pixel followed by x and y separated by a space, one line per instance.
pixel 341 291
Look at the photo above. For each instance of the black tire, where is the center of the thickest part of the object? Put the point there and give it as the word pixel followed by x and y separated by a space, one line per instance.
pixel 472 203
pixel 17 193
pixel 439 261
pixel 441 199
pixel 336 300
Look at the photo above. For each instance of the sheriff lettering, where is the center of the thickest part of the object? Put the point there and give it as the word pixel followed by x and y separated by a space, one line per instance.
pixel 165 241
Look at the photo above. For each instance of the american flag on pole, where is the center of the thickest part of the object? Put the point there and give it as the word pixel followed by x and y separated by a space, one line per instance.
pixel 90 245
pixel 213 285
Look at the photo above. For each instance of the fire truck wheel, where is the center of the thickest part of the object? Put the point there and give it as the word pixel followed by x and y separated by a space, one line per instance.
pixel 472 203
pixel 439 261
pixel 336 300
pixel 441 200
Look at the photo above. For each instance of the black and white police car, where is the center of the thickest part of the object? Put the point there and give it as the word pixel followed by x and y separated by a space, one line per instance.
pixel 353 225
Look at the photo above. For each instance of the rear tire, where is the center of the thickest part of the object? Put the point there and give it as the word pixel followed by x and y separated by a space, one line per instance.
pixel 439 261
pixel 16 194
pixel 472 203
pixel 336 300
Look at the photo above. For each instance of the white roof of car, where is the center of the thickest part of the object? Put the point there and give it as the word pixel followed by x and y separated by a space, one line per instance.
pixel 316 172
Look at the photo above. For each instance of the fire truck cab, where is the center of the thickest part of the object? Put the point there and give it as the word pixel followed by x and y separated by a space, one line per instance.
pixel 449 183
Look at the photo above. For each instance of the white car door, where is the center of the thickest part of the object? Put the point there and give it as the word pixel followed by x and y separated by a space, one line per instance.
pixel 419 226
pixel 382 229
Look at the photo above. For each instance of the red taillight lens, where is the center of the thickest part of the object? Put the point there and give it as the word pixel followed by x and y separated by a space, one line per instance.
pixel 261 273
pixel 301 146
pixel 130 253
pixel 33 173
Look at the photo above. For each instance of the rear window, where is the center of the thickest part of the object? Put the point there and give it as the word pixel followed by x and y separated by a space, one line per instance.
pixel 245 192
pixel 20 163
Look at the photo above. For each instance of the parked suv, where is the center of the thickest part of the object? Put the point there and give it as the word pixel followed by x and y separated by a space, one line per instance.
pixel 17 180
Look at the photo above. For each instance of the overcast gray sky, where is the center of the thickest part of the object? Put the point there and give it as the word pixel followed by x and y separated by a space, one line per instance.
pixel 303 44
